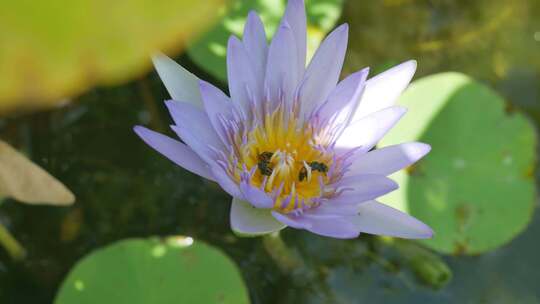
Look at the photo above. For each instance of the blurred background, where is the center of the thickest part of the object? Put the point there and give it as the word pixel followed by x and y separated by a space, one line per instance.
pixel 76 76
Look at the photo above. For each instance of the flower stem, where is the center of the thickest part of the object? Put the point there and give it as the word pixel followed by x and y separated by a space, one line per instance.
pixel 428 267
pixel 286 259
pixel 12 246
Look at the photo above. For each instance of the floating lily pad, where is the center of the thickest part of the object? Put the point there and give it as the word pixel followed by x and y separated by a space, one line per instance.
pixel 54 49
pixel 210 50
pixel 476 188
pixel 134 271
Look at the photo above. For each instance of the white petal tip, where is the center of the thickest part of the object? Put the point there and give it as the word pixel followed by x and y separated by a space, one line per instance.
pixel 233 40
pixel 418 230
pixel 159 59
pixel 252 14
pixel 363 73
pixel 412 63
pixel 366 70
pixel 406 68
pixel 416 150
pixel 428 233
pixel 141 131
pixel 342 27
pixel 285 26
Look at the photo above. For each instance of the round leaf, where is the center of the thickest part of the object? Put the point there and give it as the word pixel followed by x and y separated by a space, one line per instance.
pixel 475 188
pixel 54 49
pixel 210 50
pixel 154 271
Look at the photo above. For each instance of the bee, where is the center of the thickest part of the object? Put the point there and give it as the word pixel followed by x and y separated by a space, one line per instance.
pixel 316 166
pixel 303 173
pixel 265 157
pixel 264 163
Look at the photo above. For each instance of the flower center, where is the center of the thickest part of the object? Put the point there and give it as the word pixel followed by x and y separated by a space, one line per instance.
pixel 287 161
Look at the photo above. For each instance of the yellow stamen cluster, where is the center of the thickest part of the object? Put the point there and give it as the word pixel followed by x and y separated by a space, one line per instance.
pixel 283 152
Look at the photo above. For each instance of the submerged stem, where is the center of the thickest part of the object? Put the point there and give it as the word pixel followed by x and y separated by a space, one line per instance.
pixel 12 246
pixel 428 267
pixel 286 259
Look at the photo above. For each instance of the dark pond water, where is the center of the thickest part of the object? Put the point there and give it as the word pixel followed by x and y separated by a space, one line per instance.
pixel 124 189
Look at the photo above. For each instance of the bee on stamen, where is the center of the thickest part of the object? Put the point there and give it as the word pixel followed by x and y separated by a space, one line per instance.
pixel 303 174
pixel 264 163
pixel 316 166
pixel 307 168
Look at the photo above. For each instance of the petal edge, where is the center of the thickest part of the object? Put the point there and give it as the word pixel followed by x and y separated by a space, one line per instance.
pixel 247 220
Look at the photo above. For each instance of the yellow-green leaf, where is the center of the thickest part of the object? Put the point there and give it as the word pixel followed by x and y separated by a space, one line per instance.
pixel 51 50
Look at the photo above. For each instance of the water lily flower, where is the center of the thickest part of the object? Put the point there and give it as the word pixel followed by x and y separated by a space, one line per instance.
pixel 292 144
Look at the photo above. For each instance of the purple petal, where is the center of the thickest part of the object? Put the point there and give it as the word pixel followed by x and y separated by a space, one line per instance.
pixel 193 141
pixel 377 218
pixel 323 71
pixel 332 226
pixel 256 196
pixel 243 85
pixel 366 132
pixel 175 151
pixel 281 79
pixel 344 98
pixel 383 90
pixel 339 227
pixel 363 188
pixel 180 83
pixel 255 44
pixel 290 220
pixel 250 221
pixel 195 121
pixel 225 181
pixel 388 160
pixel 331 208
pixel 216 104
pixel 295 16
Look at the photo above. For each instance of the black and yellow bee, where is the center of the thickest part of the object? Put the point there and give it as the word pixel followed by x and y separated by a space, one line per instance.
pixel 303 173
pixel 315 166
pixel 264 163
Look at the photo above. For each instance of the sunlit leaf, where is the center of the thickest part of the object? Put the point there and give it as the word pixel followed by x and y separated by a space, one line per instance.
pixel 135 271
pixel 476 188
pixel 28 183
pixel 51 50
pixel 209 51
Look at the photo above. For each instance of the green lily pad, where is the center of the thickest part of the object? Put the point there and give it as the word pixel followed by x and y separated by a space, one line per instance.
pixel 476 188
pixel 210 50
pixel 52 50
pixel 134 271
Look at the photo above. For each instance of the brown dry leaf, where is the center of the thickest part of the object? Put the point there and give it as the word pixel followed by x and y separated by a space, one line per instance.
pixel 26 182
